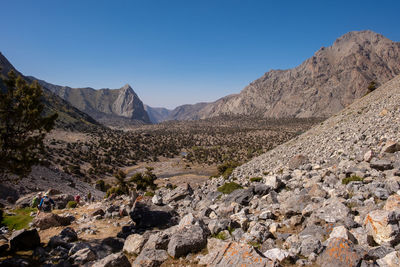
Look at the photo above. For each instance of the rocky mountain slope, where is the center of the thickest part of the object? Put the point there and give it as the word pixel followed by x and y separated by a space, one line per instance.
pixel 329 197
pixel 108 106
pixel 322 85
pixel 69 117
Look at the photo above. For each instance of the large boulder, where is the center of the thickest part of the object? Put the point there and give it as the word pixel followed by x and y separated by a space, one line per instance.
pixel 340 252
pixel 226 254
pixel 47 220
pixel 158 240
pixel 383 226
pixel 134 243
pixel 178 193
pixel 113 260
pixel 390 260
pixel 240 196
pixel 24 240
pixel 62 200
pixel 148 216
pixel 83 256
pixel 150 258
pixel 190 239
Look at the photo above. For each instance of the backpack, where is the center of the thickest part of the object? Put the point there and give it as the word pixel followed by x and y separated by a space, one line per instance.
pixel 46 206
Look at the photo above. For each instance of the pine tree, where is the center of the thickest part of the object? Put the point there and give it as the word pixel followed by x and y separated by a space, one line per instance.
pixel 22 125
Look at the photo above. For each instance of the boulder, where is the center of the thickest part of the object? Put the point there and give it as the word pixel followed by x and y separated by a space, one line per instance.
pixel 390 260
pixel 148 216
pixel 368 156
pixel 240 196
pixel 158 240
pixel 178 193
pixel 383 227
pixel 297 161
pixel 134 243
pixel 261 189
pixel 24 240
pixel 226 254
pixel 3 244
pixel 381 164
pixel 276 254
pixel 392 203
pixel 190 239
pixel 113 260
pixel 342 232
pixel 150 258
pixel 47 220
pixel 340 252
pixel 69 235
pixel 98 212
pixel 273 182
pixel 83 256
pixel 62 200
pixel 157 200
pixel 391 147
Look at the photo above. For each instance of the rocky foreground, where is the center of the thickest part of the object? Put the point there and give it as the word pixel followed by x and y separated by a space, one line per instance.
pixel 327 198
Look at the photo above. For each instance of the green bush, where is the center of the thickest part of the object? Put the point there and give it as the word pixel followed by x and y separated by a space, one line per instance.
pixel 229 187
pixel 255 179
pixel 19 220
pixel 221 235
pixel 71 204
pixel 144 180
pixel 227 168
pixel 352 179
pixel 149 194
pixel 101 185
pixel 114 190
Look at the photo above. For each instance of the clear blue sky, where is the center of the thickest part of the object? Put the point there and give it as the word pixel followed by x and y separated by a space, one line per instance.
pixel 177 52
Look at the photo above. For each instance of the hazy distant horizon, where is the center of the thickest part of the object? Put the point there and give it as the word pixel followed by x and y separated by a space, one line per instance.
pixel 177 52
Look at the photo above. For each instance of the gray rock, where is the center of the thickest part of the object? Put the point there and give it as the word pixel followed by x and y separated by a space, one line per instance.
pixel 24 240
pixel 240 196
pixel 83 256
pixel 113 260
pixel 150 258
pixel 381 164
pixel 134 243
pixel 191 239
pixel 340 253
pixel 178 193
pixel 390 260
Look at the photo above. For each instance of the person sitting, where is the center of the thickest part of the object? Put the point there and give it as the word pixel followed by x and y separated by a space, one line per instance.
pixel 77 199
pixel 46 204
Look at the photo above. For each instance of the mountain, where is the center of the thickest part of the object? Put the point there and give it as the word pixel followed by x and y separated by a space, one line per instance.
pixel 322 85
pixel 180 113
pixel 157 115
pixel 69 117
pixel 112 107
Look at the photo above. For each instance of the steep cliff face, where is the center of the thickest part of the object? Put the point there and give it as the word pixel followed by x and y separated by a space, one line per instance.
pixel 114 107
pixel 321 86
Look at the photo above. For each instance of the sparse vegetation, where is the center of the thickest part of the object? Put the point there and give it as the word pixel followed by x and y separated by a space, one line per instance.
pixel 256 179
pixel 19 219
pixel 71 204
pixel 144 180
pixel 213 141
pixel 353 178
pixel 227 168
pixel 228 188
pixel 221 235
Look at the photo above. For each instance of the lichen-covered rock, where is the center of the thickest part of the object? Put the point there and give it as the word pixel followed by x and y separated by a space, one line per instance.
pixel 383 227
pixel 340 252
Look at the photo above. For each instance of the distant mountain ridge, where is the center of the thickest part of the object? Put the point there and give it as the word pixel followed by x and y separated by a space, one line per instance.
pixel 322 85
pixel 69 117
pixel 114 107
